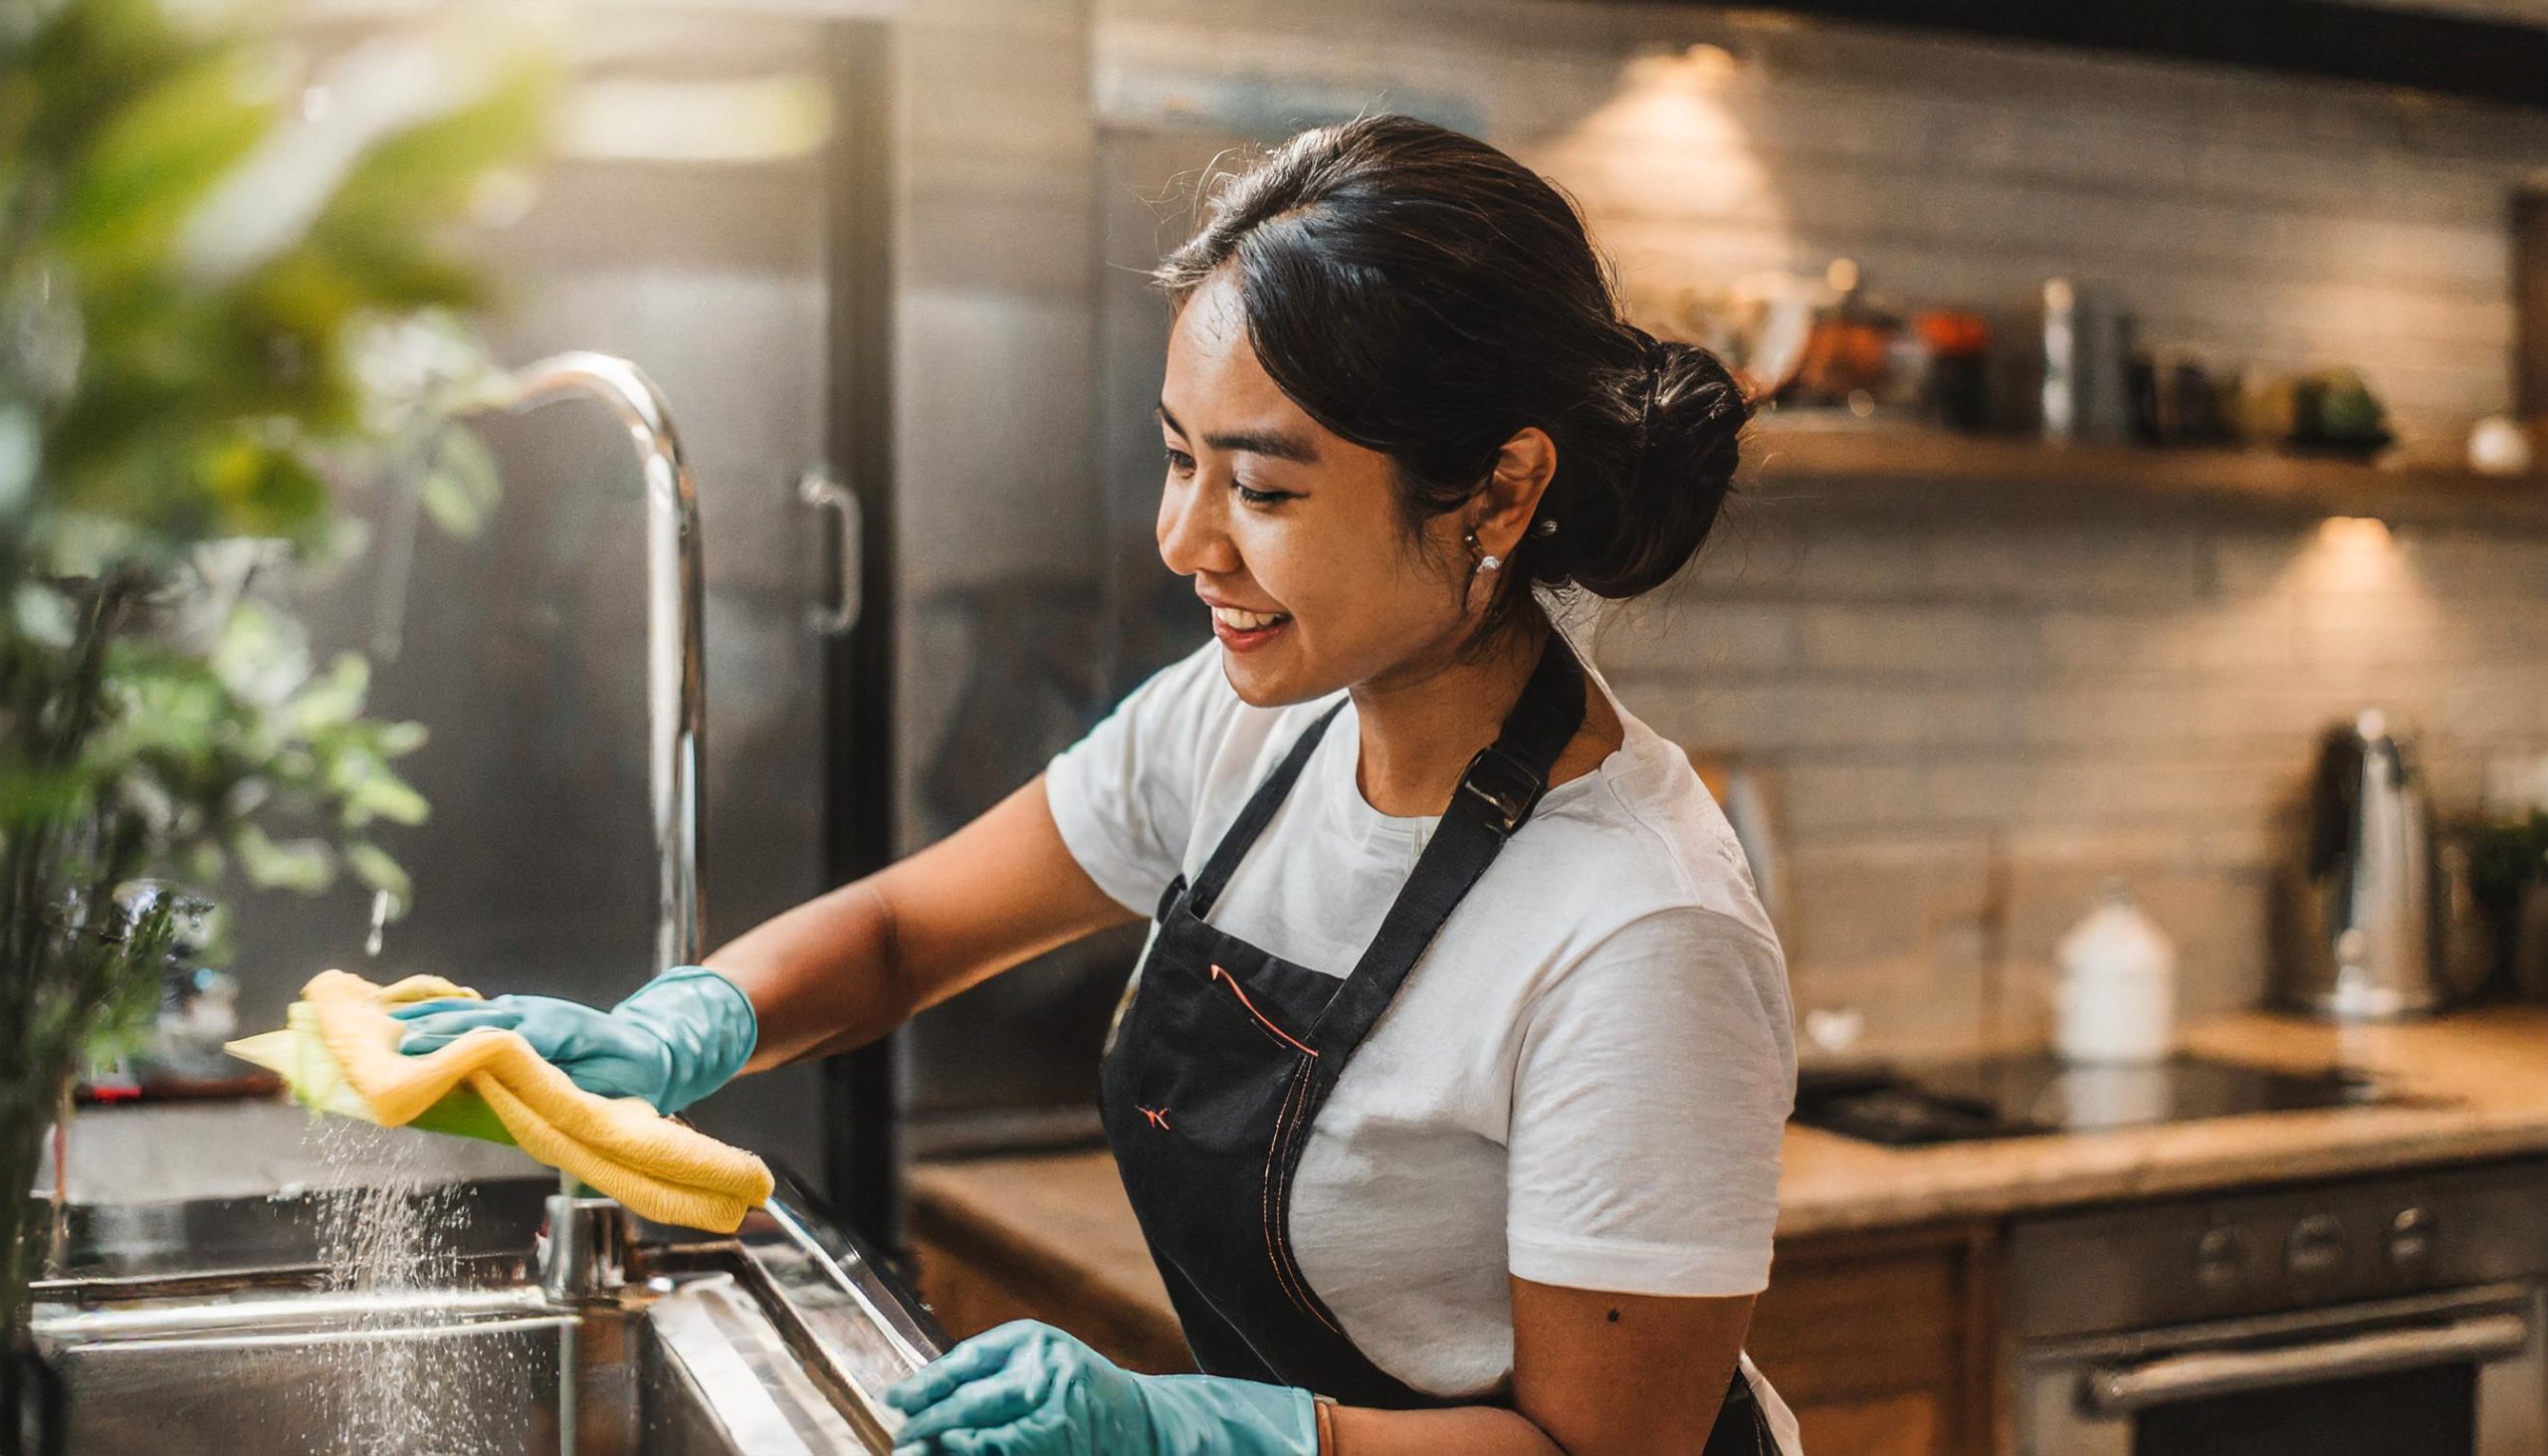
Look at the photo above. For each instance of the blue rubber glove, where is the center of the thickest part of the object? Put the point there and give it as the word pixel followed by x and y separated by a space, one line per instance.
pixel 1028 1390
pixel 682 1036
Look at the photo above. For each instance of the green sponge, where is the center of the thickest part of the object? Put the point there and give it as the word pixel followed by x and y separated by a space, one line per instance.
pixel 301 1058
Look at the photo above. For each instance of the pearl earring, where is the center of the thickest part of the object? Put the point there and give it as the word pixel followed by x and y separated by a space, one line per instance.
pixel 1490 563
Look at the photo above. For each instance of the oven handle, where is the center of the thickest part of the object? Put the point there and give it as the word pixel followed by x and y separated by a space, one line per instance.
pixel 2123 1390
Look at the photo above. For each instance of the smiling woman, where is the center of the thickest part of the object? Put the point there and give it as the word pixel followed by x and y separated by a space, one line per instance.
pixel 1449 1089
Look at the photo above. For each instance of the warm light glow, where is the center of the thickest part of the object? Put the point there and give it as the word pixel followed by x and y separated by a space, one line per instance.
pixel 765 119
pixel 2352 554
pixel 2355 534
pixel 1670 153
pixel 1710 63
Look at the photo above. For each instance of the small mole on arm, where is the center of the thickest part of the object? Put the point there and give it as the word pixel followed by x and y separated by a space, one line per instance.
pixel 1614 1317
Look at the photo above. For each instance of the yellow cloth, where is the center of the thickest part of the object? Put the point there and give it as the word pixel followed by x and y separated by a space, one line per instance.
pixel 340 1054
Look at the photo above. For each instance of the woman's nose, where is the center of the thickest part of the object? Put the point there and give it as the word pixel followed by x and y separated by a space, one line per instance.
pixel 1192 534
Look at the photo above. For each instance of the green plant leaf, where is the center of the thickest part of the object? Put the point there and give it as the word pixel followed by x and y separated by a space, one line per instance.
pixel 398 739
pixel 257 489
pixel 378 794
pixel 304 864
pixel 43 616
pixel 428 170
pixel 374 867
pixel 154 162
pixel 334 697
pixel 462 484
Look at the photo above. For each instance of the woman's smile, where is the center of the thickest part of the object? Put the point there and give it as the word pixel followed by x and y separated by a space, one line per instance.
pixel 1243 630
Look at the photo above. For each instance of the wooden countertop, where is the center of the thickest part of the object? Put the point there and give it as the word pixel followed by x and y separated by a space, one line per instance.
pixel 2480 1083
pixel 2477 1086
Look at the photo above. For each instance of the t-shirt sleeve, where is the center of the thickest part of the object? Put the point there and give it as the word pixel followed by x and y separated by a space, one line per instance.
pixel 1124 795
pixel 1650 1094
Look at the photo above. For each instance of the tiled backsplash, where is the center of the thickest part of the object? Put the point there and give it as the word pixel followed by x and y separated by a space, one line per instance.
pixel 1974 722
pixel 2291 224
pixel 1971 726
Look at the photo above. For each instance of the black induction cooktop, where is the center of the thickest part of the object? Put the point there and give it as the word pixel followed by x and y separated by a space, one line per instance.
pixel 2026 1097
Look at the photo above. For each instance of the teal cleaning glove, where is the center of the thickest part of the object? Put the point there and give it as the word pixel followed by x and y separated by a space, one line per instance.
pixel 1028 1390
pixel 682 1036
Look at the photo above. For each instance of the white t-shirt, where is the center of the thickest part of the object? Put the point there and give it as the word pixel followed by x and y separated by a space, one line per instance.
pixel 1582 1083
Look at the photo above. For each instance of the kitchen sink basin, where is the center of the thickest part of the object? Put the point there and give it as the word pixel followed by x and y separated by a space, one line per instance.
pixel 213 1327
pixel 694 1368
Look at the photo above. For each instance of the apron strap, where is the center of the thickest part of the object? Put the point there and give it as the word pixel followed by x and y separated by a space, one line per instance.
pixel 1496 793
pixel 1259 811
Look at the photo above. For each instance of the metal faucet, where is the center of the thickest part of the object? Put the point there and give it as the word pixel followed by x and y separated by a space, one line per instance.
pixel 582 1250
pixel 676 674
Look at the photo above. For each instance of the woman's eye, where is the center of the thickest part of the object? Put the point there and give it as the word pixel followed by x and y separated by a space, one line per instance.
pixel 1262 498
pixel 1181 463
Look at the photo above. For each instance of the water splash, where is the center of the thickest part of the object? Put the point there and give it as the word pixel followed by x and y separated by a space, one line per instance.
pixel 384 1227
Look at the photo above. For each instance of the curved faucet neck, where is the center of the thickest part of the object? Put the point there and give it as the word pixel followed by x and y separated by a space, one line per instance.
pixel 676 673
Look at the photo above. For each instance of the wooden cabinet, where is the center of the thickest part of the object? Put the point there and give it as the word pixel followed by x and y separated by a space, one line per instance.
pixel 1048 1238
pixel 1883 1343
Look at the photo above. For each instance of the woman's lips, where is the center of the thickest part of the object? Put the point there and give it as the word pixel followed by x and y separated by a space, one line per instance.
pixel 1244 631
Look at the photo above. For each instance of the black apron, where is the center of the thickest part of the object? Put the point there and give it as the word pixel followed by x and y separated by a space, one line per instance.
pixel 1222 1060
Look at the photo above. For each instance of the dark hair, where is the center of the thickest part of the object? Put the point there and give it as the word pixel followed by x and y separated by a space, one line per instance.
pixel 1420 293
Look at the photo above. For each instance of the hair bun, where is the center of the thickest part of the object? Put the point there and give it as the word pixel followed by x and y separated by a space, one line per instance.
pixel 1690 413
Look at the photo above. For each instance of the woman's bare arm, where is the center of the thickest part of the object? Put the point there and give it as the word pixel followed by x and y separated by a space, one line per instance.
pixel 845 969
pixel 1594 1375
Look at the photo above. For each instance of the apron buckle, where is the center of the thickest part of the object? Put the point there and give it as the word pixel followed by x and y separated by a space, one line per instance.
pixel 1506 786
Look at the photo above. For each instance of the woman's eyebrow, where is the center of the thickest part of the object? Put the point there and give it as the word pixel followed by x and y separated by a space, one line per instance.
pixel 1273 444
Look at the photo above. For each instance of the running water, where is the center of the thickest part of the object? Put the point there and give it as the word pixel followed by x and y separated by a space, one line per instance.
pixel 385 1228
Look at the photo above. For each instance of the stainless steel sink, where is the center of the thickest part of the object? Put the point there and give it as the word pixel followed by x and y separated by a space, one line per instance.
pixel 778 1340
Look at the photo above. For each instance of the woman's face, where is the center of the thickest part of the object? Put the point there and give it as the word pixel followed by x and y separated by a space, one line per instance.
pixel 1292 535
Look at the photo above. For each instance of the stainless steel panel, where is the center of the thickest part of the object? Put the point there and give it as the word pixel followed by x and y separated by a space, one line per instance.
pixel 2313 1246
pixel 2088 1396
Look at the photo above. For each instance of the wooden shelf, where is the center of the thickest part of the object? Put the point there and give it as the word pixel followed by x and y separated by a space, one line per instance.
pixel 1862 469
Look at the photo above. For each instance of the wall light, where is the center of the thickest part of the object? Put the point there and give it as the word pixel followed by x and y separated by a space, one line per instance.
pixel 2352 554
pixel 756 119
pixel 1712 63
pixel 2354 534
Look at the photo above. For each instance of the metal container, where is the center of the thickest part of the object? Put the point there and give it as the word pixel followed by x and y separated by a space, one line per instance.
pixel 2357 930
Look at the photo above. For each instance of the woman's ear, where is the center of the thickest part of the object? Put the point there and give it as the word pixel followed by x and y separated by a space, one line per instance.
pixel 1524 466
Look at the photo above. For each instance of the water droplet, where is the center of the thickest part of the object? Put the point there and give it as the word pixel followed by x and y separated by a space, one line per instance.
pixel 383 904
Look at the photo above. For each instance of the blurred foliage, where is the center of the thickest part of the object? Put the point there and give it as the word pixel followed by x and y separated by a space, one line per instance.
pixel 220 301
pixel 2507 857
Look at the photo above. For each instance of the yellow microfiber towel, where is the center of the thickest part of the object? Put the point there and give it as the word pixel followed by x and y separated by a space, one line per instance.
pixel 339 1051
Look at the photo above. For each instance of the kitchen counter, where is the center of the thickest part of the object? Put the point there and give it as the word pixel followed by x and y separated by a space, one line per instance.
pixel 1057 1233
pixel 2474 1086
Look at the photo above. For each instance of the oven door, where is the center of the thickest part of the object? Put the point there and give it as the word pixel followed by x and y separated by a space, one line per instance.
pixel 2450 1374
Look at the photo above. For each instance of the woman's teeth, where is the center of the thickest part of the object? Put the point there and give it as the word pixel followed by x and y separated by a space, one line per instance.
pixel 1238 621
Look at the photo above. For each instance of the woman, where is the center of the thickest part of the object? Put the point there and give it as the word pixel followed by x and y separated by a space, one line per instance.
pixel 1449 1089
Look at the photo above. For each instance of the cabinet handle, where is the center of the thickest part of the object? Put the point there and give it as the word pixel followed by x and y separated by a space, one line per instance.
pixel 2122 1389
pixel 819 489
